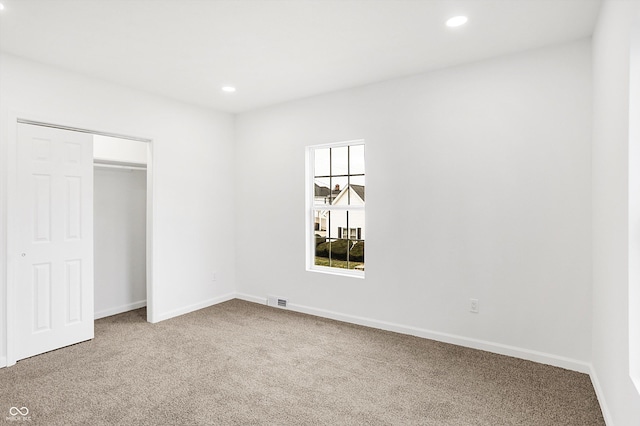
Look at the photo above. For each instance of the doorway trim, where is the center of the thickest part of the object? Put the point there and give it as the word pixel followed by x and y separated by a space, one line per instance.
pixel 11 202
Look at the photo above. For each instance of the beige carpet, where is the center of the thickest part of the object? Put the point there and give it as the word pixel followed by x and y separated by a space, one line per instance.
pixel 240 363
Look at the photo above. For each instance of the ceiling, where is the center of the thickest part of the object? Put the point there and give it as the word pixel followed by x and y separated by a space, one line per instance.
pixel 275 51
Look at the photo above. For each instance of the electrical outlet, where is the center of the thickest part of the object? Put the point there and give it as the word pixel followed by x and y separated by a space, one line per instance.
pixel 215 276
pixel 474 306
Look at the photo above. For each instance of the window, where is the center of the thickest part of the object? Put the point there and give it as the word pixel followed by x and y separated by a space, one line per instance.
pixel 336 208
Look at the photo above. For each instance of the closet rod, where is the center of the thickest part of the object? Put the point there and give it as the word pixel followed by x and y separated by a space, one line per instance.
pixel 76 129
pixel 118 166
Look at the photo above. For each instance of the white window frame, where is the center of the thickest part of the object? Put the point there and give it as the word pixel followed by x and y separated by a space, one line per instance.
pixel 310 207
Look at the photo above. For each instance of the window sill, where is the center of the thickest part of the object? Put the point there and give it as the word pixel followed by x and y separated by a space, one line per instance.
pixel 337 271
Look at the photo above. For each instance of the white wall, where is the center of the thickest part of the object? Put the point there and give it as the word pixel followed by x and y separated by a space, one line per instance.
pixel 492 160
pixel 111 149
pixel 615 212
pixel 193 154
pixel 119 221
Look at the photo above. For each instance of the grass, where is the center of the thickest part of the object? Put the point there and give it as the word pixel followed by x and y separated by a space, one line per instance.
pixel 324 261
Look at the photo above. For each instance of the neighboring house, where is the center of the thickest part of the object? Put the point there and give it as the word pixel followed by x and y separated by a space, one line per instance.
pixel 350 195
pixel 323 195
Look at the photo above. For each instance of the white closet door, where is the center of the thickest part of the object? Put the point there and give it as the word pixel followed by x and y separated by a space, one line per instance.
pixel 54 282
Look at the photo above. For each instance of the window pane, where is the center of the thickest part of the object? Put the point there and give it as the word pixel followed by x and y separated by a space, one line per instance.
pixel 339 160
pixel 339 184
pixel 332 253
pixel 320 223
pixel 339 253
pixel 322 193
pixel 322 254
pixel 356 221
pixel 357 184
pixel 321 162
pixel 356 255
pixel 337 219
pixel 357 180
pixel 356 235
pixel 356 159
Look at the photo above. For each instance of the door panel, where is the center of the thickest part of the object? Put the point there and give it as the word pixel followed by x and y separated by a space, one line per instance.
pixel 42 213
pixel 73 284
pixel 54 285
pixel 41 297
pixel 73 224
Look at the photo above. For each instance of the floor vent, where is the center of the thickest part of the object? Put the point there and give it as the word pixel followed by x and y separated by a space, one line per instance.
pixel 277 302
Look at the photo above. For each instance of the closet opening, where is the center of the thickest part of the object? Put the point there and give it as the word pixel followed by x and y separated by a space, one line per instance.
pixel 119 224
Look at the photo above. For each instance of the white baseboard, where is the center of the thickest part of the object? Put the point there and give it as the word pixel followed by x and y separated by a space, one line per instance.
pixel 194 307
pixel 600 394
pixel 3 361
pixel 250 298
pixel 498 348
pixel 120 309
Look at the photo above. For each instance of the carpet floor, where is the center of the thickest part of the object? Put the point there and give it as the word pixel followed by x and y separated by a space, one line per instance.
pixel 240 363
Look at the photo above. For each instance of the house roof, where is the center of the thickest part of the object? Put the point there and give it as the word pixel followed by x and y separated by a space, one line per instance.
pixel 321 191
pixel 359 189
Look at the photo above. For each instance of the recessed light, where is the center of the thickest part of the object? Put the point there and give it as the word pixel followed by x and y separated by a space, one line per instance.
pixel 228 89
pixel 1 6
pixel 456 21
